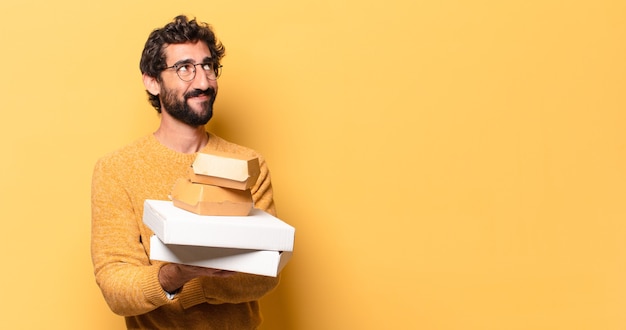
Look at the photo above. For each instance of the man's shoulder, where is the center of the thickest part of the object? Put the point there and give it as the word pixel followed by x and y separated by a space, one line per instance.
pixel 220 144
pixel 127 152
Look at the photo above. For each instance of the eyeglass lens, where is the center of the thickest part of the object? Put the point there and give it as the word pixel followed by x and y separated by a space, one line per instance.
pixel 187 71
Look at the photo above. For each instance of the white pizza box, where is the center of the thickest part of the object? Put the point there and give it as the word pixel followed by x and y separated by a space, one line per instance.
pixel 257 231
pixel 260 262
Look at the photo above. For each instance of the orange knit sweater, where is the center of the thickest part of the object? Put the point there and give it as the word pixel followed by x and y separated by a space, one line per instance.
pixel 120 244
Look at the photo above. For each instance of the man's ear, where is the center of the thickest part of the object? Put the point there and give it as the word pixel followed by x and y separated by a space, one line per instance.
pixel 152 85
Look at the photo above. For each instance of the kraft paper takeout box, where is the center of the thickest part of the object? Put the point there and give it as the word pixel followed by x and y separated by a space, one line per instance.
pixel 225 170
pixel 260 262
pixel 207 199
pixel 257 231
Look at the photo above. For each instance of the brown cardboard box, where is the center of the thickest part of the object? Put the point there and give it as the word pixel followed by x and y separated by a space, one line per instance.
pixel 204 199
pixel 225 170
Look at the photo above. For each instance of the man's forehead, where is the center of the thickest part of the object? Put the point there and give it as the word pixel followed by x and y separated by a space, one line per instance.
pixel 198 51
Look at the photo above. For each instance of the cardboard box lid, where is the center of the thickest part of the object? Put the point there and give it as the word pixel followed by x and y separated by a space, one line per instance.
pixel 227 166
pixel 260 262
pixel 192 193
pixel 259 230
pixel 211 200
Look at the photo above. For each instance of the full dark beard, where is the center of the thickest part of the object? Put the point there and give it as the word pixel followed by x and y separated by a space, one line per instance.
pixel 181 111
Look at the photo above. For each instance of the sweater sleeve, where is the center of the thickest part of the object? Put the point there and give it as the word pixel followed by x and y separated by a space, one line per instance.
pixel 235 289
pixel 262 192
pixel 125 275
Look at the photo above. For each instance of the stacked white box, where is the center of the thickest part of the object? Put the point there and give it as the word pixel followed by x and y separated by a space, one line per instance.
pixel 189 238
pixel 260 262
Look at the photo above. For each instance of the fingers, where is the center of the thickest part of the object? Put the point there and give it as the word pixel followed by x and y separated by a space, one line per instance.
pixel 203 271
pixel 223 273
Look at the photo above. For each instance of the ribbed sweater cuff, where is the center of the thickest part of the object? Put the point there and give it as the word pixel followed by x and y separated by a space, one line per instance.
pixel 192 294
pixel 153 291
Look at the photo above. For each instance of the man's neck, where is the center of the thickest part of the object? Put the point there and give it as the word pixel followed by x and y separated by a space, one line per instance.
pixel 182 138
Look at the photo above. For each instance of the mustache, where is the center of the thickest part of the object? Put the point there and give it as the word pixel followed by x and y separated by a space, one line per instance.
pixel 199 92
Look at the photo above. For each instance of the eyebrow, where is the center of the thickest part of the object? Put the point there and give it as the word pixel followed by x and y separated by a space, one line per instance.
pixel 188 60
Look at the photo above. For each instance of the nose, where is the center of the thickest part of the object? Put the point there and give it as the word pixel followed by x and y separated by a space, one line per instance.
pixel 201 80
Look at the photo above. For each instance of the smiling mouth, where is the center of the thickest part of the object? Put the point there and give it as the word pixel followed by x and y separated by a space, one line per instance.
pixel 200 97
pixel 200 94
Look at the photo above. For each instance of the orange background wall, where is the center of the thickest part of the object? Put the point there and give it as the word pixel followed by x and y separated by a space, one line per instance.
pixel 447 164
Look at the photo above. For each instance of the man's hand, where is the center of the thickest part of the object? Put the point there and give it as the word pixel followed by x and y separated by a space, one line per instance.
pixel 173 276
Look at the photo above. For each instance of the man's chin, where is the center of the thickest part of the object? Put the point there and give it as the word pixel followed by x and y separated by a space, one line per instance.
pixel 201 120
pixel 192 119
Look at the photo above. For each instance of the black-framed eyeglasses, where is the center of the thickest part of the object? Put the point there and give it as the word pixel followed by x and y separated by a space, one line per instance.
pixel 187 71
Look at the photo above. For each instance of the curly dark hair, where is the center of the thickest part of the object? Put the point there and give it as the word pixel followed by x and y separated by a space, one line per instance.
pixel 180 30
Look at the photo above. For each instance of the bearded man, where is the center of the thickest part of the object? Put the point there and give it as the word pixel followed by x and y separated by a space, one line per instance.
pixel 180 65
